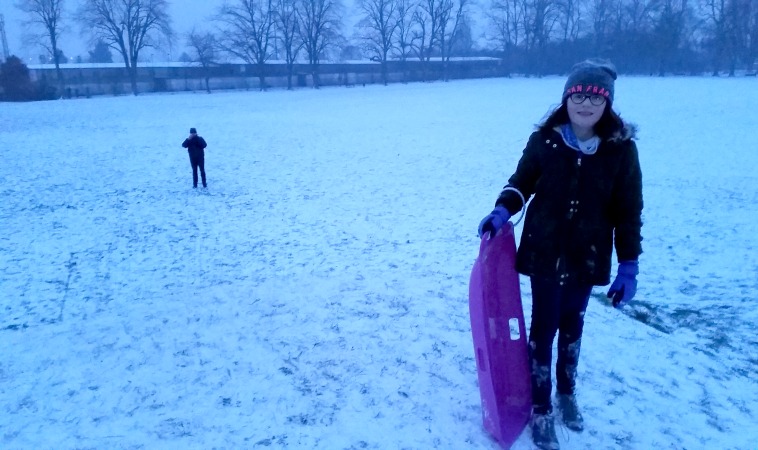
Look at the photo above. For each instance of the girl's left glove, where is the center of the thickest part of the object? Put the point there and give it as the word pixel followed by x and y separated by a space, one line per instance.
pixel 625 285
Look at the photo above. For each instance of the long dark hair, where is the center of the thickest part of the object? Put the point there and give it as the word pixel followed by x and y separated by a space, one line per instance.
pixel 609 125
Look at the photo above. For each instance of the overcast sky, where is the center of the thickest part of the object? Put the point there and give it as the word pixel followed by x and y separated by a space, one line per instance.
pixel 184 14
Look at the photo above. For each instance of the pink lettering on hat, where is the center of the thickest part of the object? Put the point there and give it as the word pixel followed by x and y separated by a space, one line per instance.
pixel 588 89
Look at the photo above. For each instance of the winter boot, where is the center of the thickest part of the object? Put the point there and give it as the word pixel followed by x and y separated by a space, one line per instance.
pixel 543 432
pixel 570 414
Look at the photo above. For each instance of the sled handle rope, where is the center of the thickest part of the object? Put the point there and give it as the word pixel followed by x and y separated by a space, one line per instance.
pixel 523 202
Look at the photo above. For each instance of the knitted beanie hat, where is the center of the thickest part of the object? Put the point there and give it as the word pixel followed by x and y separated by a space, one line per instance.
pixel 592 76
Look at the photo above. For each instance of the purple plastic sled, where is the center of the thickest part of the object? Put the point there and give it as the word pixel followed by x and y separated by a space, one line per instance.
pixel 497 324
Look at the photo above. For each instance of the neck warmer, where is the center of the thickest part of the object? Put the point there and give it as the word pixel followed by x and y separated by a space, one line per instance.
pixel 588 147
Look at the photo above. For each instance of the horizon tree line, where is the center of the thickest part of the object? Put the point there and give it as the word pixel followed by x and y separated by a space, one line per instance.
pixel 534 37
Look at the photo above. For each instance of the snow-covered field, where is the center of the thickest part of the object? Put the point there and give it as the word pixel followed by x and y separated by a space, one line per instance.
pixel 315 296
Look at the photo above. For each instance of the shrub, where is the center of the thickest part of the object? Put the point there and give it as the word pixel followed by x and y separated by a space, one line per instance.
pixel 15 81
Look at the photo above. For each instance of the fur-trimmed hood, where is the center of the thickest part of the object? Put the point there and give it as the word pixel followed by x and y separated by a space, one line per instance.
pixel 627 133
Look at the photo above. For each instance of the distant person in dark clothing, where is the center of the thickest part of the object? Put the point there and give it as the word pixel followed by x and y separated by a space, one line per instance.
pixel 195 146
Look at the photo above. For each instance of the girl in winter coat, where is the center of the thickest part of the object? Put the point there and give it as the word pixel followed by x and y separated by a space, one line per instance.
pixel 582 171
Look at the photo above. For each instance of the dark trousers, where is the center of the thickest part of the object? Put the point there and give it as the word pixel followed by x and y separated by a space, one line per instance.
pixel 555 308
pixel 198 161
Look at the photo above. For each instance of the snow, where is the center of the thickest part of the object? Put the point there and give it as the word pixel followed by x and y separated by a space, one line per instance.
pixel 315 296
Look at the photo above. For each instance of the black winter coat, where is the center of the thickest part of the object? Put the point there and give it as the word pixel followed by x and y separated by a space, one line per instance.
pixel 581 203
pixel 194 145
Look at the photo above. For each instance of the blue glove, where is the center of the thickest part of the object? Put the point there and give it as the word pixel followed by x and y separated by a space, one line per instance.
pixel 625 285
pixel 494 221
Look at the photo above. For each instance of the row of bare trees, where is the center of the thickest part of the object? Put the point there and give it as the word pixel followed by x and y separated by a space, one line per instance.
pixel 127 26
pixel 533 36
pixel 402 29
pixel 257 31
pixel 654 36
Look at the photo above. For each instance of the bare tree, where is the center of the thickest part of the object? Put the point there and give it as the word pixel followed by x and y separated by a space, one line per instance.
pixel 403 42
pixel 204 47
pixel 404 12
pixel 507 19
pixel 634 33
pixel 248 32
pixel 720 18
pixel 378 27
pixel 541 18
pixel 127 26
pixel 47 15
pixel 742 32
pixel 288 34
pixel 669 32
pixel 462 42
pixel 570 21
pixel 446 16
pixel 603 16
pixel 639 15
pixel 427 20
pixel 752 35
pixel 452 18
pixel 319 29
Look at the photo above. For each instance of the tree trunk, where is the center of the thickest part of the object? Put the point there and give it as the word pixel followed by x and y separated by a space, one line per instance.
pixel 133 79
pixel 314 75
pixel 56 60
pixel 59 73
pixel 262 76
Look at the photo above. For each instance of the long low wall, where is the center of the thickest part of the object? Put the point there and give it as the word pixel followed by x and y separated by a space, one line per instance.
pixel 87 80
